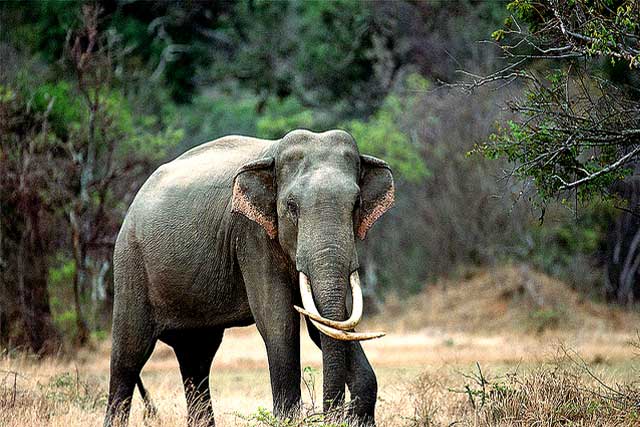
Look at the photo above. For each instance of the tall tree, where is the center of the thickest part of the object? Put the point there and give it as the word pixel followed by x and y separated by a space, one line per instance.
pixel 106 157
pixel 74 151
pixel 26 223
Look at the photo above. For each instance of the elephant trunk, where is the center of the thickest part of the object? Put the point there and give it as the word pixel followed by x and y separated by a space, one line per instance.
pixel 328 276
pixel 330 280
pixel 325 258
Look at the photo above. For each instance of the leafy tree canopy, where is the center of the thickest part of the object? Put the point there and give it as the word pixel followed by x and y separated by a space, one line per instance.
pixel 577 126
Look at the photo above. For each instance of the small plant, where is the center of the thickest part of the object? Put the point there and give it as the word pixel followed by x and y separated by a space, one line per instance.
pixel 265 418
pixel 68 388
pixel 545 318
pixel 309 415
pixel 480 390
pixel 567 392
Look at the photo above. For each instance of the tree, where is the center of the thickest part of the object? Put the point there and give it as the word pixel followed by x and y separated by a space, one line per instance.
pixel 579 124
pixel 26 223
pixel 576 135
pixel 105 156
pixel 74 152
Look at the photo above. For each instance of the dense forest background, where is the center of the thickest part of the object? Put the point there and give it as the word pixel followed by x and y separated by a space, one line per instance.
pixel 94 96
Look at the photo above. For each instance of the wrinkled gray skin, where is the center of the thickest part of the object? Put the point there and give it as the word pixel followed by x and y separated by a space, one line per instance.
pixel 187 267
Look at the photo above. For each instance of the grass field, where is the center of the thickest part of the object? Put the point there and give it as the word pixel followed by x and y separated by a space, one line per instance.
pixel 480 351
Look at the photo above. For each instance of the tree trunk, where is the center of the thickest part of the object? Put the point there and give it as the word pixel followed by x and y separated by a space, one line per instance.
pixel 623 246
pixel 43 338
pixel 4 286
pixel 4 304
pixel 80 277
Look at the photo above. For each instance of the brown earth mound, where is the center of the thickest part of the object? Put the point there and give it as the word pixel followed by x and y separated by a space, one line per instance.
pixel 513 298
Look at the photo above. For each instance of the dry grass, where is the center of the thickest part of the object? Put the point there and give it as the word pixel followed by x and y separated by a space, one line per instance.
pixel 564 393
pixel 428 366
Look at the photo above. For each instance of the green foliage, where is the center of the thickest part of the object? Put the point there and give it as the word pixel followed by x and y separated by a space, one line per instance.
pixel 40 26
pixel 546 318
pixel 523 9
pixel 282 115
pixel 574 127
pixel 66 111
pixel 216 114
pixel 170 39
pixel 60 285
pixel 139 135
pixel 336 39
pixel 567 247
pixel 6 94
pixel 100 335
pixel 610 22
pixel 66 323
pixel 142 136
pixel 260 60
pixel 544 151
pixel 60 275
pixel 382 136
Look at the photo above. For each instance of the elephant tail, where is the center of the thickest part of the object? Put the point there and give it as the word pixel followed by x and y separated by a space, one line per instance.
pixel 150 410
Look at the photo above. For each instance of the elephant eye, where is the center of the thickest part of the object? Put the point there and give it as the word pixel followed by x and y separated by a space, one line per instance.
pixel 357 203
pixel 292 207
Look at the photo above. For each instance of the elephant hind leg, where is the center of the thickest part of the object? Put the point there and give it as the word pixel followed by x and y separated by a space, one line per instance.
pixel 131 349
pixel 195 351
pixel 134 336
pixel 150 410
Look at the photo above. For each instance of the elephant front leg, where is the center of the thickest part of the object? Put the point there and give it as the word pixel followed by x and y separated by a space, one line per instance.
pixel 270 295
pixel 281 336
pixel 283 353
pixel 362 384
pixel 360 379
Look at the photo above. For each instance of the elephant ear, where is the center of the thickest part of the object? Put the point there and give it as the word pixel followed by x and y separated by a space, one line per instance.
pixel 254 194
pixel 377 192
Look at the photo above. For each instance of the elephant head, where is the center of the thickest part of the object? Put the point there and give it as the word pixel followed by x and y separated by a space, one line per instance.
pixel 315 194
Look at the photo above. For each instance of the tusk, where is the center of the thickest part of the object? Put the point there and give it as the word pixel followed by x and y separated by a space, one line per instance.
pixel 345 335
pixel 336 329
pixel 311 311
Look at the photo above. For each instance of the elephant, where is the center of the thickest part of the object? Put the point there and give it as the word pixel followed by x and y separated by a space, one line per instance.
pixel 239 231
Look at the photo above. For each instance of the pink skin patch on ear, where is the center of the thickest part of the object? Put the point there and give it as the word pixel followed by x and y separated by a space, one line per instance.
pixel 382 205
pixel 240 203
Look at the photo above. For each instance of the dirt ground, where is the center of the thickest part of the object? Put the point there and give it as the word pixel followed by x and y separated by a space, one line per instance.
pixel 445 360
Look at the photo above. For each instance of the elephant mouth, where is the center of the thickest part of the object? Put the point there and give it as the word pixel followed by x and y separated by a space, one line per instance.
pixel 340 330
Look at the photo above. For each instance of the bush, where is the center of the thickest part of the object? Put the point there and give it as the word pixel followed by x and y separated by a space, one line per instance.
pixel 571 247
pixel 567 392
